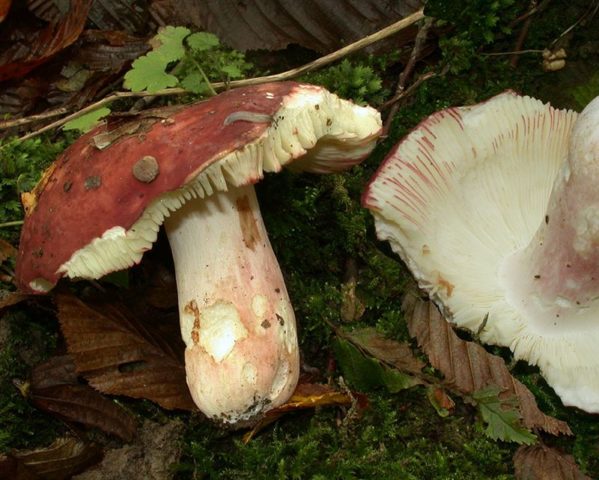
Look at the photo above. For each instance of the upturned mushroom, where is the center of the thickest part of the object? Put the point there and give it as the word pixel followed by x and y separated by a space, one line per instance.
pixel 100 206
pixel 495 210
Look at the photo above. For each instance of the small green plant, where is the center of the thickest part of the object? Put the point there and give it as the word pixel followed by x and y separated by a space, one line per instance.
pixel 359 81
pixel 179 58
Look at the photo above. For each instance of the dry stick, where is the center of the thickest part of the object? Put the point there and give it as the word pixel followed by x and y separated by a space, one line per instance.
pixel 522 37
pixel 407 71
pixel 32 118
pixel 318 63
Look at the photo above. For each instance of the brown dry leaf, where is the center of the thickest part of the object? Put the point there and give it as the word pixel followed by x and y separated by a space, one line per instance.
pixel 391 352
pixel 6 251
pixel 540 462
pixel 320 25
pixel 306 395
pixel 468 367
pixel 32 48
pixel 54 389
pixel 118 354
pixel 60 461
pixel 8 299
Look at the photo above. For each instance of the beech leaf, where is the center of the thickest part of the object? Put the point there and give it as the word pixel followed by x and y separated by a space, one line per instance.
pixel 368 373
pixel 396 354
pixel 539 462
pixel 121 355
pixel 6 250
pixel 54 389
pixel 468 367
pixel 61 460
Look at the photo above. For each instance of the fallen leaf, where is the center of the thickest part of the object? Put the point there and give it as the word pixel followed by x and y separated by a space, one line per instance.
pixel 367 373
pixel 21 57
pixel 121 355
pixel 54 388
pixel 306 395
pixel 60 461
pixel 501 416
pixel 391 352
pixel 6 251
pixel 440 400
pixel 468 367
pixel 540 462
pixel 319 25
pixel 4 8
pixel 8 299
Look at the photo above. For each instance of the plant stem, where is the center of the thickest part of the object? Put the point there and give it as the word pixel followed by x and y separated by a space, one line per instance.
pixel 14 223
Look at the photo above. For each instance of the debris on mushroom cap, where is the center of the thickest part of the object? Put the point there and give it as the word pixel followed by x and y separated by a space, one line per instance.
pixel 466 201
pixel 93 215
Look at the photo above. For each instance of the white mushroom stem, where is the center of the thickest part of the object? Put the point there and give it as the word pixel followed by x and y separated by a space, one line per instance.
pixel 558 271
pixel 236 318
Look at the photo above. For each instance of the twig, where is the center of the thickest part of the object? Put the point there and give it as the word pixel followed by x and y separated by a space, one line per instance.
pixel 408 71
pixel 408 91
pixel 519 52
pixel 32 118
pixel 316 64
pixel 15 223
pixel 522 36
pixel 590 13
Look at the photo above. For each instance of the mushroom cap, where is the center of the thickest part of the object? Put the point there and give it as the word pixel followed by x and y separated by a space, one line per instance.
pixel 467 189
pixel 100 205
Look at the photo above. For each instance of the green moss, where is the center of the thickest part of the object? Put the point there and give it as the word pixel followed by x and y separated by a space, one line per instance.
pixel 397 437
pixel 23 341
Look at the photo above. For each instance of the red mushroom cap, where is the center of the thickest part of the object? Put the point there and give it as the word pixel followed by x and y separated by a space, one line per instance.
pixel 108 177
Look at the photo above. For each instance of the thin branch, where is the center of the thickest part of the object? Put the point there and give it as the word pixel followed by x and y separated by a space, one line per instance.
pixel 518 52
pixel 15 223
pixel 408 91
pixel 32 118
pixel 295 72
pixel 408 70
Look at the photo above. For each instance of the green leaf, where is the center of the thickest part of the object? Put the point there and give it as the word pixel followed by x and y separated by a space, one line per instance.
pixel 147 73
pixel 232 71
pixel 366 373
pixel 169 43
pixel 88 121
pixel 195 83
pixel 202 41
pixel 502 418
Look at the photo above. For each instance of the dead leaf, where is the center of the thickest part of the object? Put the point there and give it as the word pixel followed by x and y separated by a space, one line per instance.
pixel 394 353
pixel 8 299
pixel 306 395
pixel 121 355
pixel 540 462
pixel 54 388
pixel 319 25
pixel 4 8
pixel 6 251
pixel 32 48
pixel 62 459
pixel 468 367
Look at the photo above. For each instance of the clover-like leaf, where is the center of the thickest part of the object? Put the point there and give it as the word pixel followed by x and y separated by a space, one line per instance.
pixel 202 41
pixel 148 73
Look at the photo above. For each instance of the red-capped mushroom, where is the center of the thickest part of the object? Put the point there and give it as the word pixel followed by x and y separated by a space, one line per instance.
pixel 101 205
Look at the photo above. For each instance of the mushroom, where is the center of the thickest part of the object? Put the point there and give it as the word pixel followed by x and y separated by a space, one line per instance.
pixel 100 206
pixel 495 210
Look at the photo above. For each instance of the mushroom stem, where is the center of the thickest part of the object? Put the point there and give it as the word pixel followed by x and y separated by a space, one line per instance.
pixel 559 270
pixel 236 318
